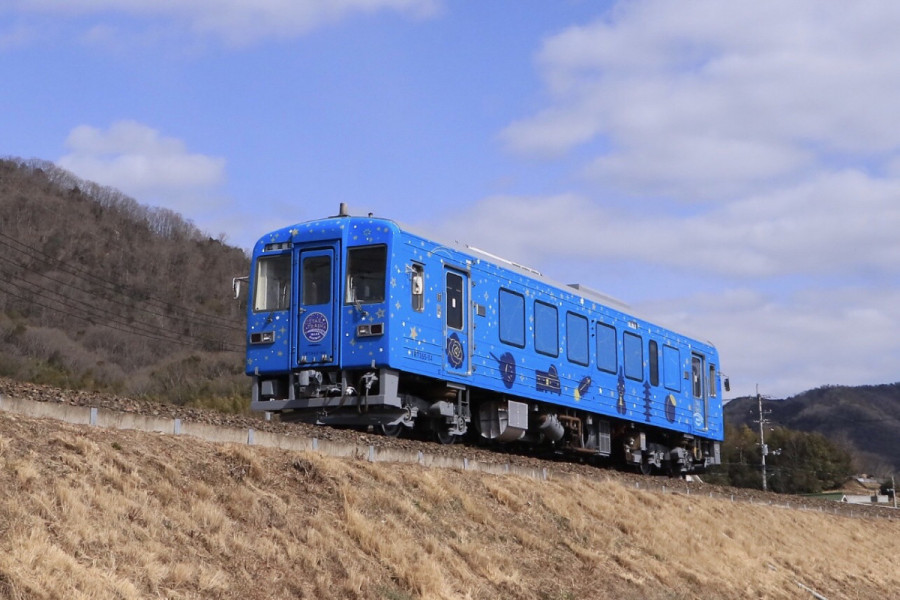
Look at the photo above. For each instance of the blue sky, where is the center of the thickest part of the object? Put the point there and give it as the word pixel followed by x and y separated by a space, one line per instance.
pixel 731 169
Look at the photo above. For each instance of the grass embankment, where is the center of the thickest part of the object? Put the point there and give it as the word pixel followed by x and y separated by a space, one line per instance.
pixel 93 513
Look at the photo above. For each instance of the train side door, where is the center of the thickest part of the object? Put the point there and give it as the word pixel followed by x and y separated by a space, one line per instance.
pixel 699 392
pixel 316 302
pixel 456 322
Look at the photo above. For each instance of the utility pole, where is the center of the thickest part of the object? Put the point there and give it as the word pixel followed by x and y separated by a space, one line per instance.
pixel 762 438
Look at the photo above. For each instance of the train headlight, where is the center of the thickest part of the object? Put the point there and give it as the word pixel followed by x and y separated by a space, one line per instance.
pixel 368 330
pixel 265 337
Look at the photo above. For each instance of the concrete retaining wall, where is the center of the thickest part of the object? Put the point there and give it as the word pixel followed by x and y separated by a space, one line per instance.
pixel 102 417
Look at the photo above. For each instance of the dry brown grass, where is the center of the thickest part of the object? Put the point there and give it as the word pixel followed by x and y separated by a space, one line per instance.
pixel 92 513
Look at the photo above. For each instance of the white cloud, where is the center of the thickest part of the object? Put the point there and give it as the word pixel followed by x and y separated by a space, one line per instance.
pixel 142 163
pixel 700 101
pixel 836 225
pixel 840 336
pixel 237 21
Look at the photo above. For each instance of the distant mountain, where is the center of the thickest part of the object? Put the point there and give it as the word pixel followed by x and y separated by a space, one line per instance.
pixel 866 418
pixel 99 291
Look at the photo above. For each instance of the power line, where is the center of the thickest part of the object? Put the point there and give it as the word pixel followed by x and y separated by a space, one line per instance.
pixel 96 314
pixel 111 325
pixel 69 287
pixel 94 311
pixel 116 287
pixel 843 419
pixel 776 467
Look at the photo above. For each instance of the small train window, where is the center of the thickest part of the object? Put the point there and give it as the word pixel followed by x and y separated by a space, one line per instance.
pixel 512 318
pixel 712 381
pixel 273 283
pixel 454 301
pixel 697 376
pixel 366 269
pixel 417 285
pixel 653 361
pixel 671 368
pixel 607 357
pixel 546 329
pixel 577 339
pixel 633 347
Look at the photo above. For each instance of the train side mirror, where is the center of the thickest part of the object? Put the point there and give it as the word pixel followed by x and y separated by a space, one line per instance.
pixel 236 285
pixel 727 385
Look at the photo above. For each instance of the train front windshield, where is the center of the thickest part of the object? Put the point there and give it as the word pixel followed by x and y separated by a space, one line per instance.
pixel 273 283
pixel 366 274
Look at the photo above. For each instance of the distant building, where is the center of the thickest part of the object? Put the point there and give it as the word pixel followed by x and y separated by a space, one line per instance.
pixel 857 490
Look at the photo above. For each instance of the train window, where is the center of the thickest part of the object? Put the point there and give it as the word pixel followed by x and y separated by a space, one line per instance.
pixel 512 318
pixel 273 283
pixel 417 285
pixel 317 280
pixel 633 347
pixel 671 368
pixel 607 357
pixel 712 381
pixel 653 361
pixel 454 301
pixel 577 338
pixel 546 329
pixel 697 376
pixel 366 268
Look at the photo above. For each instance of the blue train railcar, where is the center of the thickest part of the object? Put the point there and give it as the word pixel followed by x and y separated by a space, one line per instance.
pixel 353 321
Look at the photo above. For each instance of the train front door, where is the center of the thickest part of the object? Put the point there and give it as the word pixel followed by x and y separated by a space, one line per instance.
pixel 457 344
pixel 316 323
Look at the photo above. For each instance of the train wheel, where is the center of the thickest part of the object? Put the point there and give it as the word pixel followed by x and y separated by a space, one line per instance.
pixel 645 468
pixel 390 430
pixel 442 436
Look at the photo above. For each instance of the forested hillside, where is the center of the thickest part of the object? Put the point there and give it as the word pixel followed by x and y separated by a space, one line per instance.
pixel 865 418
pixel 101 292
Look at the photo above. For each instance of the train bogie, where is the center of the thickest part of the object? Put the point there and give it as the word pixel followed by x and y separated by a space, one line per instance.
pixel 354 321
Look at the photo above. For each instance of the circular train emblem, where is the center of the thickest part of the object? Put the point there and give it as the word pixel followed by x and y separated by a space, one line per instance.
pixel 454 351
pixel 315 327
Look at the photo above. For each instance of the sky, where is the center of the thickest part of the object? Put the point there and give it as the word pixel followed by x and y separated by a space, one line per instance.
pixel 728 169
